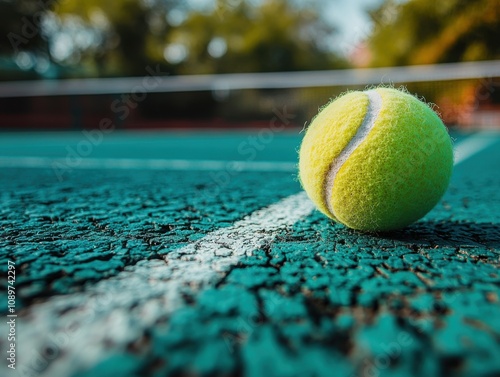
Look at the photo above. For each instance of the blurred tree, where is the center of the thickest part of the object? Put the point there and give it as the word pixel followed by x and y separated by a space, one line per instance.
pixel 23 50
pixel 110 38
pixel 426 32
pixel 237 36
pixel 96 38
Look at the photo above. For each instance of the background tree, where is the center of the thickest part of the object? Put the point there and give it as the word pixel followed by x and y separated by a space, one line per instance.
pixel 22 43
pixel 272 36
pixel 99 38
pixel 430 32
pixel 427 32
pixel 109 38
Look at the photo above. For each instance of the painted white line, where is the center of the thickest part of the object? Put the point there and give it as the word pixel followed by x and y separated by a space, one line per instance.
pixel 84 327
pixel 474 145
pixel 145 164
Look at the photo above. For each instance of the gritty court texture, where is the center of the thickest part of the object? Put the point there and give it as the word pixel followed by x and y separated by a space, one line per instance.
pixel 198 254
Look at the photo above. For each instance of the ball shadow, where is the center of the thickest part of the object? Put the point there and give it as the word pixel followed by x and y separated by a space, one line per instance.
pixel 458 234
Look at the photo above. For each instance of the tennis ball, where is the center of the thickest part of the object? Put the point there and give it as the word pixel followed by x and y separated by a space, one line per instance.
pixel 376 160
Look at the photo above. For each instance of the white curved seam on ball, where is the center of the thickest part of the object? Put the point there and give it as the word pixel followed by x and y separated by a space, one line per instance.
pixel 372 112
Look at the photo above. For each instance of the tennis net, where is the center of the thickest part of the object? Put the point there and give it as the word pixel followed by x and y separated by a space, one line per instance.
pixel 466 94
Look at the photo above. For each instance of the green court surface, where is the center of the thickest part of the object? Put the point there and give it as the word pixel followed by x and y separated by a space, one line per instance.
pixel 197 254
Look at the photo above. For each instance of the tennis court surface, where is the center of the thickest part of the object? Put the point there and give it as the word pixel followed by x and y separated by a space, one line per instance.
pixel 170 253
pixel 152 219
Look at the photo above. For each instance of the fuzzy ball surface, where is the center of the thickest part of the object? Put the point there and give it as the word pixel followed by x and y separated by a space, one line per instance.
pixel 376 160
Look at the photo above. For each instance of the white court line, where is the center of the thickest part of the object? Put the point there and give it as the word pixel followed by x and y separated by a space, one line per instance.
pixel 473 145
pixel 466 149
pixel 116 311
pixel 145 164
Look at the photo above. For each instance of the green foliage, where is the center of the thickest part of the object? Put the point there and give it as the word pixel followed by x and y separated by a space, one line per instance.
pixel 427 32
pixel 123 33
pixel 274 36
pixel 21 34
pixel 116 38
pixel 16 19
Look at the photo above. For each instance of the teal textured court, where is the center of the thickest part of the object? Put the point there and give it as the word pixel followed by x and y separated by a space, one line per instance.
pixel 194 253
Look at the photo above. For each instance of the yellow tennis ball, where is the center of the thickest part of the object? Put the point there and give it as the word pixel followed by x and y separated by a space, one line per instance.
pixel 376 160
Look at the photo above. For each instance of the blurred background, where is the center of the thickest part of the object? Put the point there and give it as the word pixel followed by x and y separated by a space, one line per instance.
pixel 68 64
